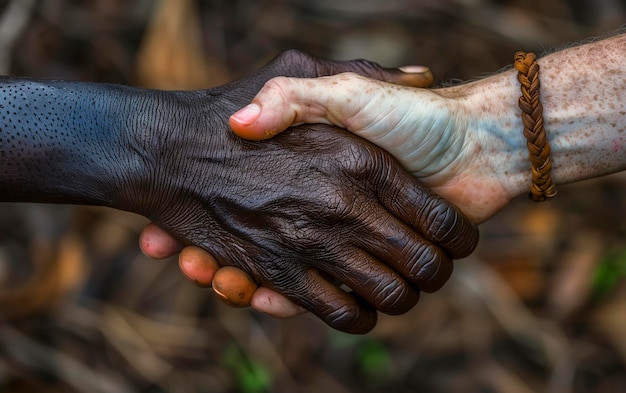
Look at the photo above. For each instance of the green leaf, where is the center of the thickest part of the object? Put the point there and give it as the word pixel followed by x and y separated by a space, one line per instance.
pixel 251 376
pixel 609 272
pixel 375 362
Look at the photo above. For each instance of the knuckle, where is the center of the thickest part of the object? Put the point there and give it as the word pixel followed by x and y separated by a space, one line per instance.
pixel 362 160
pixel 396 298
pixel 280 86
pixel 293 57
pixel 366 67
pixel 447 226
pixel 423 262
pixel 428 267
pixel 443 274
pixel 349 317
pixel 441 220
pixel 301 64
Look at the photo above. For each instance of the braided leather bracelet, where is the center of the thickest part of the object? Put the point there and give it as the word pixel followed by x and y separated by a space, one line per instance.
pixel 542 187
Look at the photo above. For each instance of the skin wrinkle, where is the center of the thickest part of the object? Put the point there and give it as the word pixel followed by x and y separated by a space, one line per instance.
pixel 391 297
pixel 415 151
pixel 339 313
pixel 381 306
pixel 423 259
pixel 388 240
pixel 418 256
pixel 445 227
pixel 432 154
pixel 384 242
pixel 345 315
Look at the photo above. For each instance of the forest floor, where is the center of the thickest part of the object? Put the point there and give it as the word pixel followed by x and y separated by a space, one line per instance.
pixel 539 307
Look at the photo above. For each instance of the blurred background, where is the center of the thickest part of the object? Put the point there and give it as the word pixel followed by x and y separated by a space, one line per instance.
pixel 540 306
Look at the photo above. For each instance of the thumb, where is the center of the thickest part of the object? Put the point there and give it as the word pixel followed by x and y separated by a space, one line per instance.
pixel 285 102
pixel 281 103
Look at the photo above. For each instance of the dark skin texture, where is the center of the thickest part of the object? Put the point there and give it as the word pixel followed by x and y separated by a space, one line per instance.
pixel 301 213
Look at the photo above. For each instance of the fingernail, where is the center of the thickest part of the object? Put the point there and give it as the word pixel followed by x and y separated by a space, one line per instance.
pixel 414 69
pixel 247 115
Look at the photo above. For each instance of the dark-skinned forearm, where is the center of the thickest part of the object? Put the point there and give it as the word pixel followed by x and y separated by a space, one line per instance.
pixel 73 142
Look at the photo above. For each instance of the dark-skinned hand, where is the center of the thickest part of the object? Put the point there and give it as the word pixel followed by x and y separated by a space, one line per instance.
pixel 302 214
pixel 306 212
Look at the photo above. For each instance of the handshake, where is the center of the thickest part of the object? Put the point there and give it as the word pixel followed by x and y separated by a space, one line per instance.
pixel 323 220
pixel 376 187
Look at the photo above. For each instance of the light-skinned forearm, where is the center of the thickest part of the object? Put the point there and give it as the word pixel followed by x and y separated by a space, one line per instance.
pixel 583 92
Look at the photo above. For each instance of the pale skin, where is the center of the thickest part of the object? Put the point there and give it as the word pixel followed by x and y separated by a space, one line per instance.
pixel 465 141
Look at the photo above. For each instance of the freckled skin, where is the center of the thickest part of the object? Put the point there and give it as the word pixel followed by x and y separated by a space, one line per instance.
pixel 579 115
pixel 289 211
pixel 583 92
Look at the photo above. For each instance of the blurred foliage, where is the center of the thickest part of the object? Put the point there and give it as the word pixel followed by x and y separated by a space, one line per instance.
pixel 251 376
pixel 375 363
pixel 84 311
pixel 610 272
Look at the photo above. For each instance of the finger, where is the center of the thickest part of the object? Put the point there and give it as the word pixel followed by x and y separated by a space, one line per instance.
pixel 374 282
pixel 435 219
pixel 413 75
pixel 270 302
pixel 234 286
pixel 300 64
pixel 337 308
pixel 155 243
pixel 416 259
pixel 198 265
pixel 281 103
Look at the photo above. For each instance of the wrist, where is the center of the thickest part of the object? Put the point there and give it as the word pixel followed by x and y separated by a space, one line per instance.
pixel 151 125
pixel 496 125
pixel 119 148
pixel 496 168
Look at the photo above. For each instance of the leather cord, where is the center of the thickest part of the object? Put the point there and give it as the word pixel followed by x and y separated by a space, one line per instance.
pixel 542 187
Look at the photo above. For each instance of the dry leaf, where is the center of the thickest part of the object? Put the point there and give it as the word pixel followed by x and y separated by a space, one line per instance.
pixel 172 56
